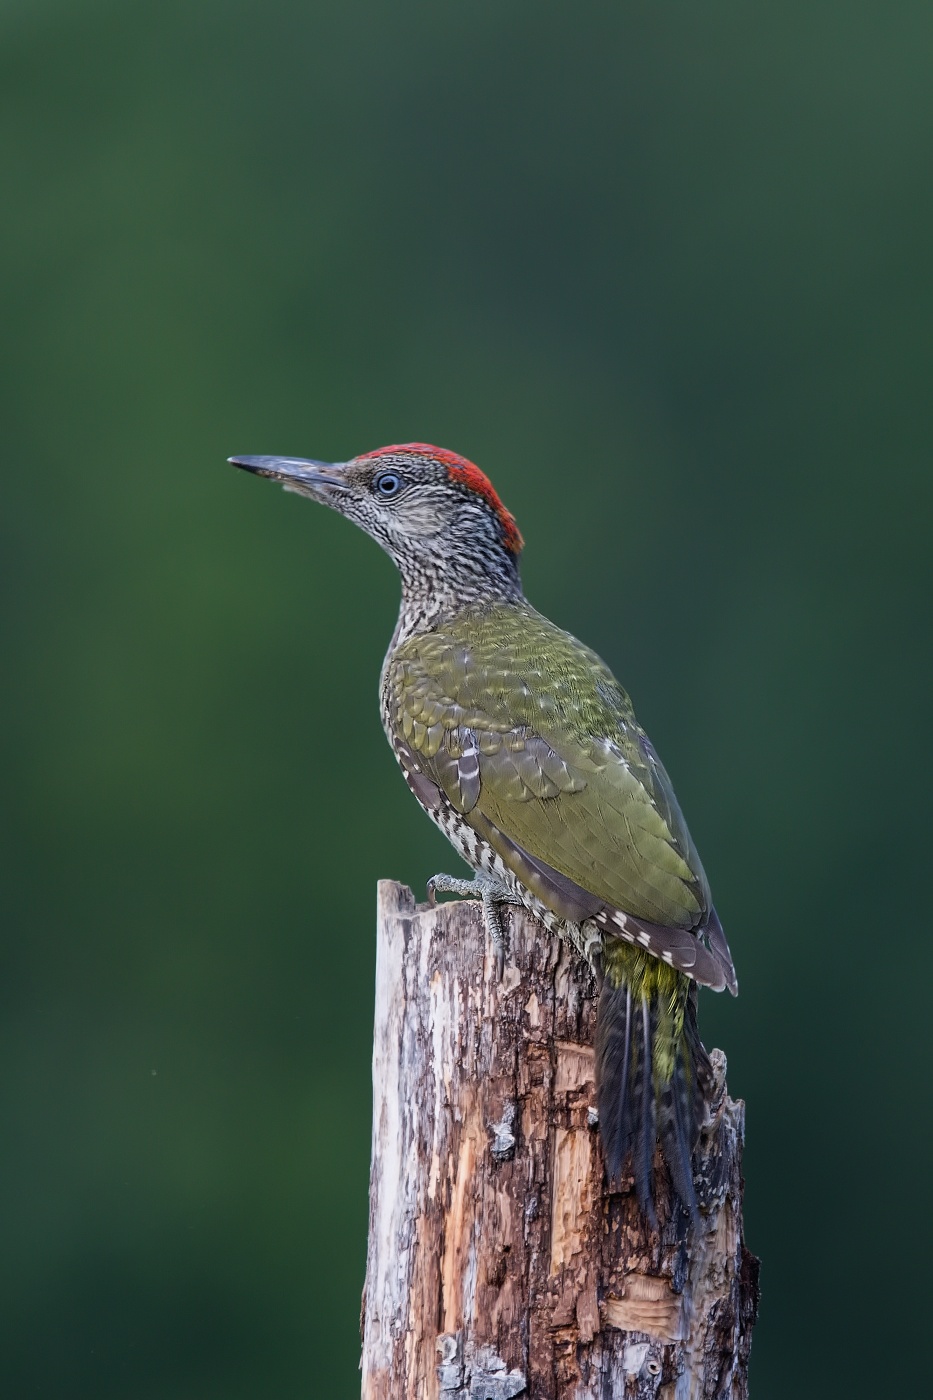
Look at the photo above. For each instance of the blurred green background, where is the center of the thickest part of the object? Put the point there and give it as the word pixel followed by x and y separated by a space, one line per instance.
pixel 665 272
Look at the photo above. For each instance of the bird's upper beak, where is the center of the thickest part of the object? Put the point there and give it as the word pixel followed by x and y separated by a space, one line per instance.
pixel 322 481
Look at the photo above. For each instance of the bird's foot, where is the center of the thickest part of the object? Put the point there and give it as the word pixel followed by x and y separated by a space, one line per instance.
pixel 587 940
pixel 492 895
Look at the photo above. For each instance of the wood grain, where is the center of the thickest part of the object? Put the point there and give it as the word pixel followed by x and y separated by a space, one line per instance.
pixel 501 1262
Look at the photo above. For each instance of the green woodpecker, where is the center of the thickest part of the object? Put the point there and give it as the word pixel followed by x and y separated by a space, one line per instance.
pixel 521 745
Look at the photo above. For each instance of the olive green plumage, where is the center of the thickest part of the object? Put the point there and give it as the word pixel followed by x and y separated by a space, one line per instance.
pixel 535 745
pixel 524 749
pixel 564 769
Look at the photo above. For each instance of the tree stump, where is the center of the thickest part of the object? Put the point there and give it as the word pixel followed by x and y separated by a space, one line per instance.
pixel 501 1261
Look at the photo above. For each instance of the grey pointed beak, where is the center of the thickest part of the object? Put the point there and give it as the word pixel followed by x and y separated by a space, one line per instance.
pixel 320 480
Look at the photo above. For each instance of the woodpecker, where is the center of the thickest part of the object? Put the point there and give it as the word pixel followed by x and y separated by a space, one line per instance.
pixel 524 749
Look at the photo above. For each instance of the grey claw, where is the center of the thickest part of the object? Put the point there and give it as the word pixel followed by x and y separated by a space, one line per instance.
pixel 431 892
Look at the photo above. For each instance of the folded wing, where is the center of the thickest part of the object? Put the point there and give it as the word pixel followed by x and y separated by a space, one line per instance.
pixel 553 771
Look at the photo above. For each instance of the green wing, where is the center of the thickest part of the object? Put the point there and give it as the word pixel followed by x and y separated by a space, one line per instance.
pixel 551 760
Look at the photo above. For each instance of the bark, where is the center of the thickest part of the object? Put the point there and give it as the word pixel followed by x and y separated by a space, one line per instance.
pixel 501 1262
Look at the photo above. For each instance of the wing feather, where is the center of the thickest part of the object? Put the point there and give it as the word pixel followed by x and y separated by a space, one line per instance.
pixel 554 771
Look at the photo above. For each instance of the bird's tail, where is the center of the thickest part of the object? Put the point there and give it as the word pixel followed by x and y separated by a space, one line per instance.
pixel 652 1072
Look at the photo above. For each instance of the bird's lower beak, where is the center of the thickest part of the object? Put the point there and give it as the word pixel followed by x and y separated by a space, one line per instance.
pixel 320 480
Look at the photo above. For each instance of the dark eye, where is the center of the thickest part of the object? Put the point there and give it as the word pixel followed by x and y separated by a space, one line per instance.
pixel 387 484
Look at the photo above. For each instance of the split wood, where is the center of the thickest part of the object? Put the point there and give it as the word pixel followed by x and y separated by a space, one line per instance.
pixel 501 1262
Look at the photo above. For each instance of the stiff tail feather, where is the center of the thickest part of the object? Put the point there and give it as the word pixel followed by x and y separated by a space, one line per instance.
pixel 652 1072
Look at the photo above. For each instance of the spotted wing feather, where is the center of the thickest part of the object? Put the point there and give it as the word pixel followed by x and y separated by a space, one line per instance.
pixel 550 767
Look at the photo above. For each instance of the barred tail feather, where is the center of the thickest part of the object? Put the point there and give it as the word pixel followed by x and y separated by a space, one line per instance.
pixel 645 1115
pixel 652 1072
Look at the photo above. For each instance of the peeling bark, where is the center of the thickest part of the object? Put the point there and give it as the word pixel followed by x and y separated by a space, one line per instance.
pixel 501 1262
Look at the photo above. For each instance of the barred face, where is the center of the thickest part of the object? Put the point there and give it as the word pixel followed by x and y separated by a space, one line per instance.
pixel 443 526
pixel 433 512
pixel 457 471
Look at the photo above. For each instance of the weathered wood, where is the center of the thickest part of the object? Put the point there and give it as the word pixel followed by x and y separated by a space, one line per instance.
pixel 501 1263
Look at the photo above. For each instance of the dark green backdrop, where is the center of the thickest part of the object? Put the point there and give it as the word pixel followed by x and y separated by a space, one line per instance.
pixel 664 270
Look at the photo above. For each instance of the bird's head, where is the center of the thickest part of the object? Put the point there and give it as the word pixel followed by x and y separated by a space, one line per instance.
pixel 436 514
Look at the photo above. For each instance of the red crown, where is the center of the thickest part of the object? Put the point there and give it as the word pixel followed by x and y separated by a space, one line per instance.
pixel 465 473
